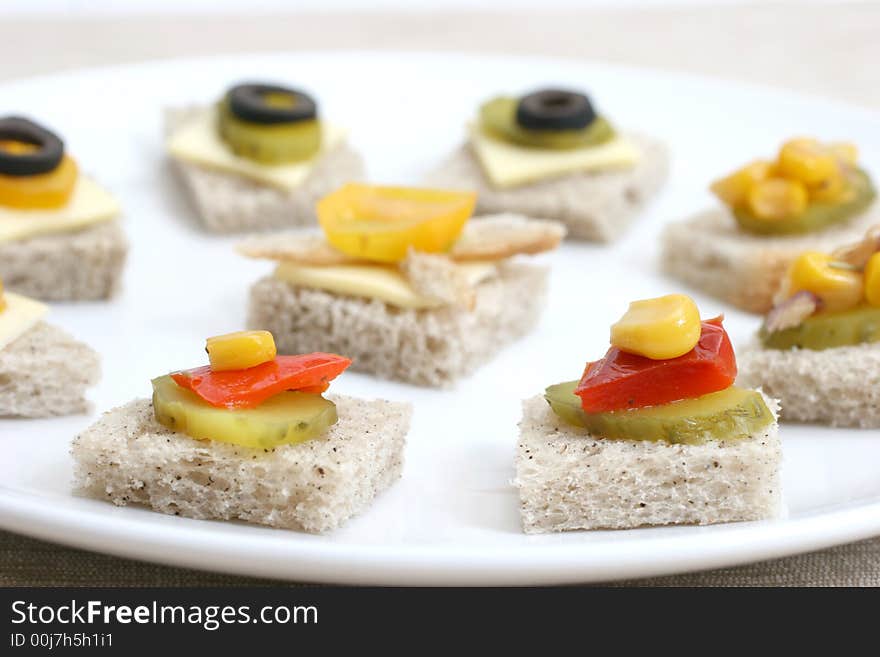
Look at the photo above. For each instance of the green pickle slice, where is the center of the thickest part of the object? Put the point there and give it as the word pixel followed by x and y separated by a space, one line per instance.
pixel 817 216
pixel 272 144
pixel 498 119
pixel 286 419
pixel 731 414
pixel 828 330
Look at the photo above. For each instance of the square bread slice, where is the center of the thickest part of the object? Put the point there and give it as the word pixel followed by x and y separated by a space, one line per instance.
pixel 593 206
pixel 569 480
pixel 229 203
pixel 45 373
pixel 712 254
pixel 839 386
pixel 82 265
pixel 430 347
pixel 127 457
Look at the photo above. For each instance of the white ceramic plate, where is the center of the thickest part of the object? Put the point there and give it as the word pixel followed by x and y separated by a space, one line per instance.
pixel 453 518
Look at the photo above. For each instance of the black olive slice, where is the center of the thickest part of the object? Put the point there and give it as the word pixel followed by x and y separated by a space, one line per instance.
pixel 46 157
pixel 554 109
pixel 270 104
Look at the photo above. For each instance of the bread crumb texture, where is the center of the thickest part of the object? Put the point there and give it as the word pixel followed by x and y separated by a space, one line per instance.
pixel 127 457
pixel 229 203
pixel 45 373
pixel 80 265
pixel 593 206
pixel 840 386
pixel 437 277
pixel 432 347
pixel 711 253
pixel 568 480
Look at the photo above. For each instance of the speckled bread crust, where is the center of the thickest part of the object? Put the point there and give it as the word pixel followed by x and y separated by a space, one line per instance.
pixel 712 254
pixel 840 386
pixel 593 206
pixel 127 457
pixel 229 203
pixel 432 347
pixel 83 265
pixel 568 480
pixel 45 373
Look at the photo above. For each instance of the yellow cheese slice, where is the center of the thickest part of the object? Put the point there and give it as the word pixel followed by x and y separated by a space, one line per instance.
pixel 509 165
pixel 19 316
pixel 385 283
pixel 199 142
pixel 89 204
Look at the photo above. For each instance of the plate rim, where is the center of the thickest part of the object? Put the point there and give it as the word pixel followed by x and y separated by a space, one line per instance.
pixel 432 565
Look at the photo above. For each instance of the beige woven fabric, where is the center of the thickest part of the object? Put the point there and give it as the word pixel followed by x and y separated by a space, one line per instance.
pixel 815 48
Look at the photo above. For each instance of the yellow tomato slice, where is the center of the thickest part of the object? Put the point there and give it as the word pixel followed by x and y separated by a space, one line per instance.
pixel 40 191
pixel 381 223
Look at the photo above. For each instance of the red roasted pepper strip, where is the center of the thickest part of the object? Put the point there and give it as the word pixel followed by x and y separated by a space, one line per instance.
pixel 625 381
pixel 252 386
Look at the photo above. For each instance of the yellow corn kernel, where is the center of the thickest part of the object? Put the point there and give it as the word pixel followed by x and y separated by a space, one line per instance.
pixel 661 328
pixel 837 286
pixel 778 199
pixel 806 160
pixel 733 190
pixel 240 350
pixel 872 280
pixel 845 152
pixel 831 190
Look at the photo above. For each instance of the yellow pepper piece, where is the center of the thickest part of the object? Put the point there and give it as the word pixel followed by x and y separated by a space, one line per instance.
pixel 777 199
pixel 44 190
pixel 661 328
pixel 733 190
pixel 872 280
pixel 382 223
pixel 240 350
pixel 2 298
pixel 836 284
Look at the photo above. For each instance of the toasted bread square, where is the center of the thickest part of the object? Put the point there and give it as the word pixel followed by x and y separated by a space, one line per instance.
pixel 45 372
pixel 81 265
pixel 569 480
pixel 430 347
pixel 127 457
pixel 230 203
pixel 593 206
pixel 711 253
